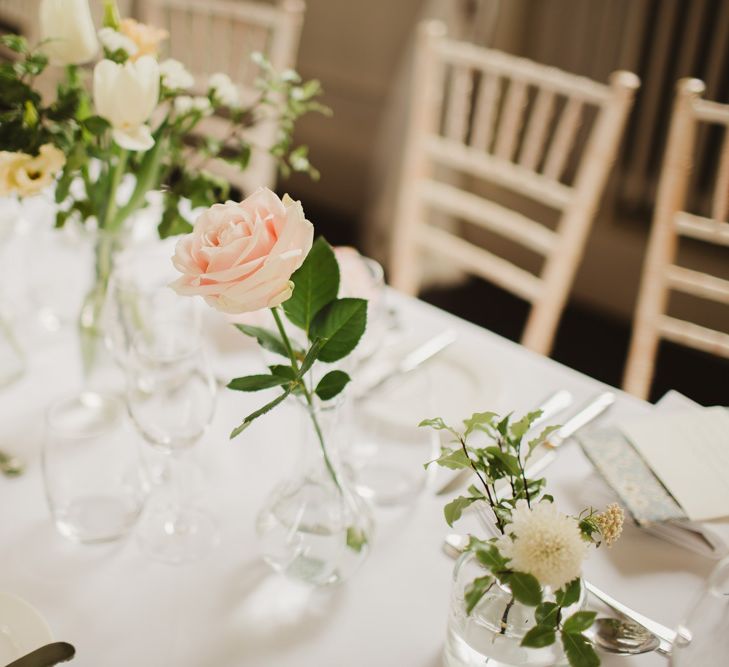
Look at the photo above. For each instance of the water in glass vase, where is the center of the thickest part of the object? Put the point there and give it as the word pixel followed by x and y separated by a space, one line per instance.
pixel 491 634
pixel 314 527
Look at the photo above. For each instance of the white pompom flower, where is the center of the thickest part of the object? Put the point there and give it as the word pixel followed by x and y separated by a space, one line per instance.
pixel 544 543
pixel 113 41
pixel 224 90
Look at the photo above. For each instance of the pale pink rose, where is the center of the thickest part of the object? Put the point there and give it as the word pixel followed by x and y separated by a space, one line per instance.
pixel 240 257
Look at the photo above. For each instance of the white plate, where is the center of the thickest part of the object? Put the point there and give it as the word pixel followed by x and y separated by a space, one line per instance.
pixel 452 385
pixel 22 628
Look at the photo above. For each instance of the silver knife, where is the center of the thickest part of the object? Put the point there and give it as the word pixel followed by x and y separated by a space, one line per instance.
pixel 665 635
pixel 45 656
pixel 414 359
pixel 594 408
pixel 552 406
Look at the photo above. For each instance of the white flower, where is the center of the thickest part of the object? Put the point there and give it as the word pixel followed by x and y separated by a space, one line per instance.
pixel 126 95
pixel 174 75
pixel 545 544
pixel 113 41
pixel 224 89
pixel 68 32
pixel 183 104
pixel 202 103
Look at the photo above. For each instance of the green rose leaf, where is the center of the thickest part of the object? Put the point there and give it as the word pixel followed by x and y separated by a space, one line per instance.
pixel 525 588
pixel 258 413
pixel 547 614
pixel 268 340
pixel 454 460
pixel 331 384
pixel 316 284
pixel 579 650
pixel 283 371
pixel 342 322
pixel 475 591
pixel 539 636
pixel 453 510
pixel 257 382
pixel 569 594
pixel 579 621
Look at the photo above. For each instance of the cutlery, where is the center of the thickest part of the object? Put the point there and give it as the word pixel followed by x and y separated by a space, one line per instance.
pixel 615 635
pixel 454 544
pixel 552 406
pixel 11 466
pixel 593 409
pixel 46 656
pixel 413 360
pixel 665 635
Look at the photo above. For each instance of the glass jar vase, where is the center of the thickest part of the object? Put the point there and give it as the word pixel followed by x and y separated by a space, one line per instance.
pixel 492 633
pixel 314 527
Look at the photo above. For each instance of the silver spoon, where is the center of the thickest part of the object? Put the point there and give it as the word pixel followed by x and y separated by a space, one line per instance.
pixel 623 637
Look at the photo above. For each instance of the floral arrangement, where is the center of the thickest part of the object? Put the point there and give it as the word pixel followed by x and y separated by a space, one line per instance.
pixel 137 119
pixel 538 551
pixel 259 253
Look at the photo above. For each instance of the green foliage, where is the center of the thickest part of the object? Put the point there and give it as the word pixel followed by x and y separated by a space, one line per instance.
pixel 356 538
pixel 548 614
pixel 453 510
pixel 579 650
pixel 455 460
pixel 524 587
pixel 569 594
pixel 331 385
pixel 579 622
pixel 341 323
pixel 257 382
pixel 475 591
pixel 539 636
pixel 316 284
pixel 268 340
pixel 258 413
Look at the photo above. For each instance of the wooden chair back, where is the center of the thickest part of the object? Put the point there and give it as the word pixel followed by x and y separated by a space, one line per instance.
pixel 662 275
pixel 210 36
pixel 514 124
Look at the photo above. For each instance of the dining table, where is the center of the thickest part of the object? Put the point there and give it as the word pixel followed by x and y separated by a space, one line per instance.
pixel 119 608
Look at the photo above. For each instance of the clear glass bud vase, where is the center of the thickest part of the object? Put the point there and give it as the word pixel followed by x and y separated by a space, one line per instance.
pixel 491 634
pixel 99 371
pixel 314 527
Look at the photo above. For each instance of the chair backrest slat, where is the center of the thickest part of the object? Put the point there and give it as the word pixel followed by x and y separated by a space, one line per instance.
pixel 494 138
pixel 661 273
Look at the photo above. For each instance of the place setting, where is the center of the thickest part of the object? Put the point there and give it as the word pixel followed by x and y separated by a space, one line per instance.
pixel 238 430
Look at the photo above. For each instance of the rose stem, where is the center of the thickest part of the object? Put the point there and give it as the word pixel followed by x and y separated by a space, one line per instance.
pixel 307 396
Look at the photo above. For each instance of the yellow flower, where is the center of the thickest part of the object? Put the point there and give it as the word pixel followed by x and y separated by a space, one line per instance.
pixel 27 175
pixel 146 37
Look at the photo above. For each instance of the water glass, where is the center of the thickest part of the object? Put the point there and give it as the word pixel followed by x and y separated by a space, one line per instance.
pixel 703 638
pixel 171 399
pixel 92 468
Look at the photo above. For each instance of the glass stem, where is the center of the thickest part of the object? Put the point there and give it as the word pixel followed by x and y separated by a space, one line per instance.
pixel 307 396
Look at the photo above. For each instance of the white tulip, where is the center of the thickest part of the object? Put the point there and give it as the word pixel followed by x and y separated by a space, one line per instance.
pixel 126 95
pixel 68 30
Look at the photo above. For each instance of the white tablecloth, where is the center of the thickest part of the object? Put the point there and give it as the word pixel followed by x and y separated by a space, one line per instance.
pixel 121 609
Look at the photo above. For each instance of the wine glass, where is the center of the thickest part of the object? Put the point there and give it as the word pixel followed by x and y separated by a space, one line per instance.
pixel 703 638
pixel 171 400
